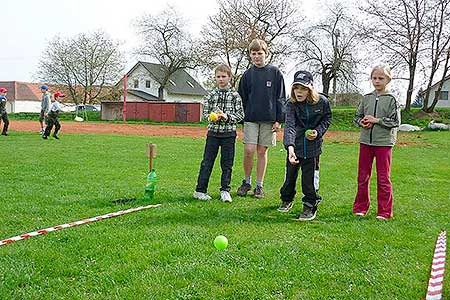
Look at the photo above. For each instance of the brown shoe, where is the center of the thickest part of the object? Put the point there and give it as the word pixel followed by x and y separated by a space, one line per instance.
pixel 258 192
pixel 243 189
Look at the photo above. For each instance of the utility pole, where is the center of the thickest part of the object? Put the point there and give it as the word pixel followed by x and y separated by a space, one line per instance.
pixel 336 65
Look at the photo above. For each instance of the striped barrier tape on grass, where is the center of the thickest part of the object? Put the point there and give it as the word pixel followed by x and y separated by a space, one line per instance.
pixel 436 281
pixel 73 224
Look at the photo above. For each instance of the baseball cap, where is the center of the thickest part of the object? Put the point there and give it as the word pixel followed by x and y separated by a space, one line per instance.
pixel 43 87
pixel 58 94
pixel 3 90
pixel 304 78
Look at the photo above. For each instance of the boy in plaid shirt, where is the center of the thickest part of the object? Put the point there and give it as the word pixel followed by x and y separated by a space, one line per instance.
pixel 226 104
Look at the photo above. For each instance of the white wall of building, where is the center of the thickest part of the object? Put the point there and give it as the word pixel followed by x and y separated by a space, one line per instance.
pixel 25 106
pixel 445 88
pixel 182 98
pixel 141 75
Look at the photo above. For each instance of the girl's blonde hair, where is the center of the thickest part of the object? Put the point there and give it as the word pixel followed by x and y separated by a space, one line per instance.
pixel 385 68
pixel 313 95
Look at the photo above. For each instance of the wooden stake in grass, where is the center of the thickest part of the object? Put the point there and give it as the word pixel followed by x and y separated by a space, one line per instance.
pixel 152 178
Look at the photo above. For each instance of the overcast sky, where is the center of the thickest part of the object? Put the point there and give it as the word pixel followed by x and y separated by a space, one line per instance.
pixel 28 25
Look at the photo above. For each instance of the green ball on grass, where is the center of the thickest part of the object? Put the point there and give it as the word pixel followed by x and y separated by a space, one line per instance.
pixel 220 242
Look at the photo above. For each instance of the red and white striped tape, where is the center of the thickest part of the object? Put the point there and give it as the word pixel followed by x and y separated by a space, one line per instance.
pixel 73 224
pixel 436 281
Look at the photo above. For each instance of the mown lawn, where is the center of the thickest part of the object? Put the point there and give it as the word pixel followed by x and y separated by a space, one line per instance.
pixel 167 252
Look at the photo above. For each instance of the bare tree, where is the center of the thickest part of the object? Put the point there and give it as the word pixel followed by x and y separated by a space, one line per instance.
pixel 84 64
pixel 330 47
pixel 226 36
pixel 165 39
pixel 396 29
pixel 438 46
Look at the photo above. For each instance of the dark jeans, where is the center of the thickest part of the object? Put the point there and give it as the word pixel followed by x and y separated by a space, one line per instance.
pixel 52 120
pixel 288 190
pixel 5 119
pixel 209 156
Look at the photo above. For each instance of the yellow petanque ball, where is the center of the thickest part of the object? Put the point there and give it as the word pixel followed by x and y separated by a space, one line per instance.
pixel 213 117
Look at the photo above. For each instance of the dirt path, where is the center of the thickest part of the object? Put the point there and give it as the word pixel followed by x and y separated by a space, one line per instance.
pixel 346 137
pixel 127 129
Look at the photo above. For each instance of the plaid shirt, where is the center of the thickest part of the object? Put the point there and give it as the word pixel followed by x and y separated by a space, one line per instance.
pixel 230 103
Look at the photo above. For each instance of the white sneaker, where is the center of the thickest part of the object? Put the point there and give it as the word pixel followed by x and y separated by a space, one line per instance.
pixel 201 196
pixel 225 196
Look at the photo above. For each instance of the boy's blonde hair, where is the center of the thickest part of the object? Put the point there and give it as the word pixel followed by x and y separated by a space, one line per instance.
pixel 223 68
pixel 385 68
pixel 257 45
pixel 313 96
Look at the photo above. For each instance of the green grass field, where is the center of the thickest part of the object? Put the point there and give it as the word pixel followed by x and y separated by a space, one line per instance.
pixel 167 252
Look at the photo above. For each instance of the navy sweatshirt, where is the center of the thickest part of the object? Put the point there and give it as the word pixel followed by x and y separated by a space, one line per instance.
pixel 263 94
pixel 301 116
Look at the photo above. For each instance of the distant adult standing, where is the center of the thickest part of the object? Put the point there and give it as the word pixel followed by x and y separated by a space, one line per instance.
pixel 263 95
pixel 45 106
pixel 3 113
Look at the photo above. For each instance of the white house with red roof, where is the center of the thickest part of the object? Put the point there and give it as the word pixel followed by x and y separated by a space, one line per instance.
pixel 22 96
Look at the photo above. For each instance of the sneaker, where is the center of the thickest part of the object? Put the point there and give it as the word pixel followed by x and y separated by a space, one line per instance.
pixel 55 136
pixel 381 218
pixel 308 214
pixel 44 137
pixel 201 196
pixel 285 206
pixel 225 196
pixel 4 133
pixel 258 192
pixel 243 189
pixel 41 131
pixel 360 214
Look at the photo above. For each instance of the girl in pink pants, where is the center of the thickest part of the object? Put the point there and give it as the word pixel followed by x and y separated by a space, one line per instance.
pixel 378 115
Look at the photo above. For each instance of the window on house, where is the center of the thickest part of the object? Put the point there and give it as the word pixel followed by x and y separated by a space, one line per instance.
pixel 190 84
pixel 443 95
pixel 173 83
pixel 136 84
pixel 147 84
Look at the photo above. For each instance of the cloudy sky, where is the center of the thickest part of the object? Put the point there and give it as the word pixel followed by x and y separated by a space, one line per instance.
pixel 28 26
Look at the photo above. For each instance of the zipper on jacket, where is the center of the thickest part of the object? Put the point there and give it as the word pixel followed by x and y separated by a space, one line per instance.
pixel 307 125
pixel 375 115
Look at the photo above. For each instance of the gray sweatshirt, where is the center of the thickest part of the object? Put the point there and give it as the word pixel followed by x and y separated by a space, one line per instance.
pixel 384 107
pixel 45 103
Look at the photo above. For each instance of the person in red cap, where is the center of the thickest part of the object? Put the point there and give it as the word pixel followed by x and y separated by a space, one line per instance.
pixel 52 117
pixel 3 113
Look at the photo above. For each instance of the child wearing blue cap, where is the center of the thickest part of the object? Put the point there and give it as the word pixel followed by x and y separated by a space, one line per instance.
pixel 45 106
pixel 3 113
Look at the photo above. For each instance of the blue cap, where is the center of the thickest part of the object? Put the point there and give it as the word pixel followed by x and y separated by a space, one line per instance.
pixel 44 87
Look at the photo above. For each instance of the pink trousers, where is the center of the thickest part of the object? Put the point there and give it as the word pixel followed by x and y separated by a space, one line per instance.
pixel 383 156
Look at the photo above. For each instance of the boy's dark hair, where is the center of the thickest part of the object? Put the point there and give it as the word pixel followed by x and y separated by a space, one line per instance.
pixel 257 45
pixel 223 68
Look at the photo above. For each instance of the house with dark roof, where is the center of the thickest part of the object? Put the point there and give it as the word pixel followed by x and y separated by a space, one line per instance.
pixel 22 96
pixel 145 78
pixel 444 95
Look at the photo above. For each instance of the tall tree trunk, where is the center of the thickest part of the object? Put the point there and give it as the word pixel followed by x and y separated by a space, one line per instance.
pixel 161 93
pixel 326 80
